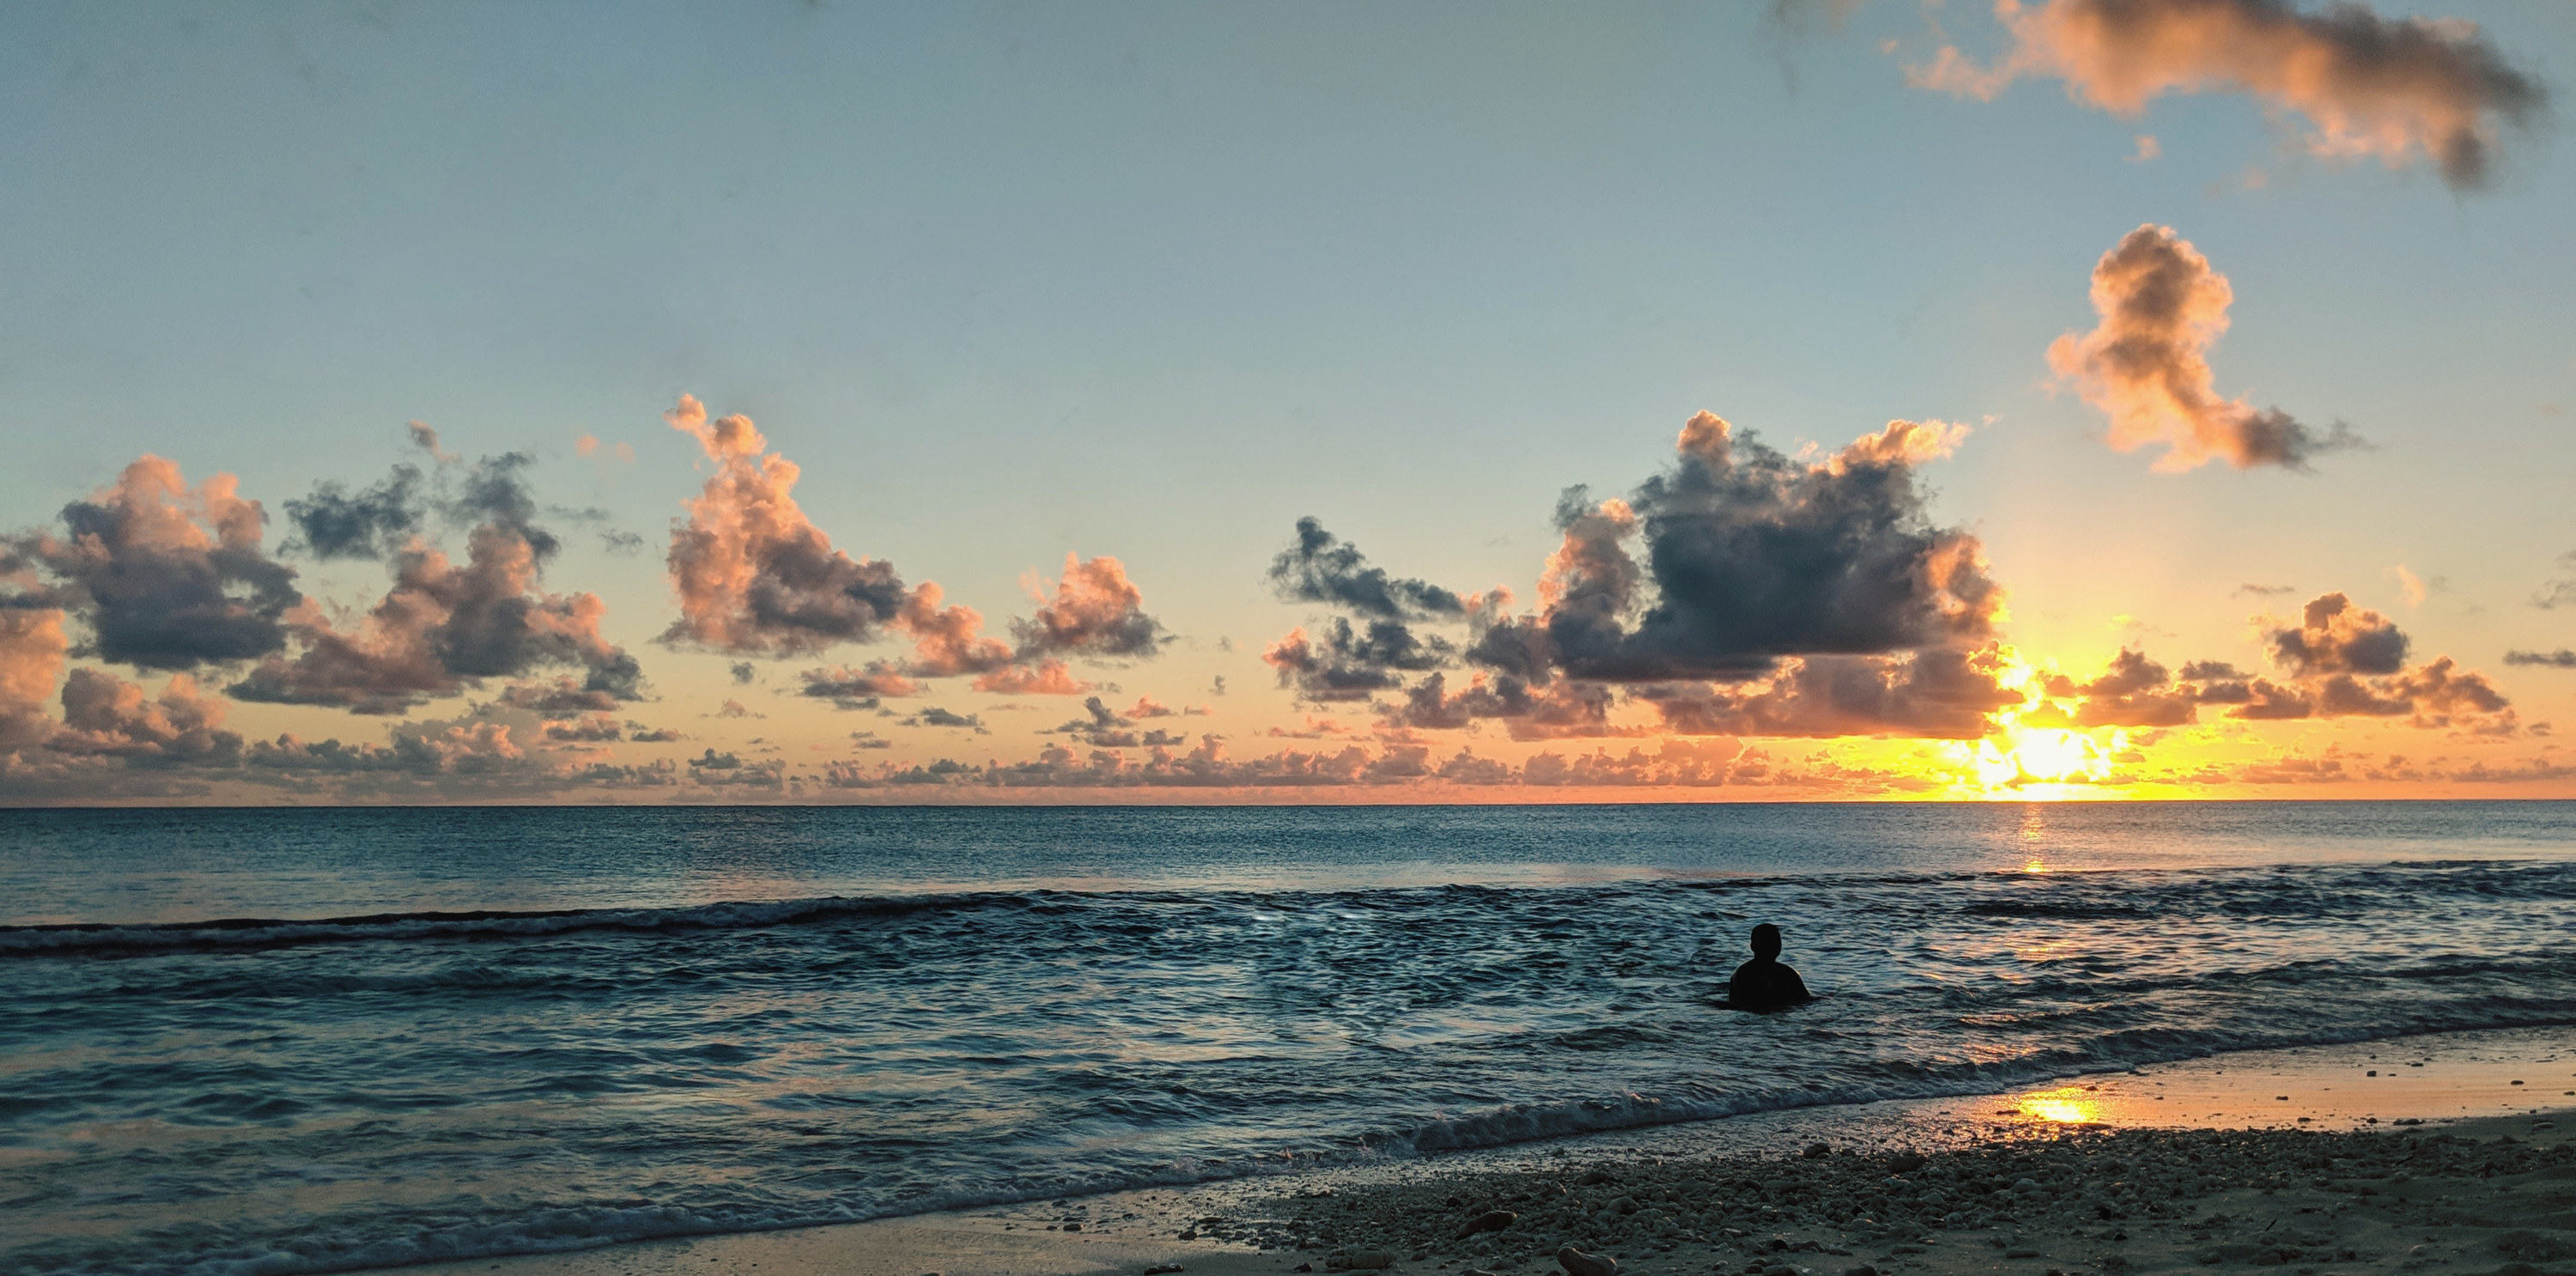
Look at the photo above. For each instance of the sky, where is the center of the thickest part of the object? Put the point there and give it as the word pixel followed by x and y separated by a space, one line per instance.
pixel 817 402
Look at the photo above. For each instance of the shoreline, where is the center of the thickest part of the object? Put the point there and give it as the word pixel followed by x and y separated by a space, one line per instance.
pixel 1682 1192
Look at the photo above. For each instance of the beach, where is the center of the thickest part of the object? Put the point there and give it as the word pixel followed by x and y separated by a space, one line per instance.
pixel 2444 1153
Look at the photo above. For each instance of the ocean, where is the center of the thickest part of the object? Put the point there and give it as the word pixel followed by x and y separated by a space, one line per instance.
pixel 319 1040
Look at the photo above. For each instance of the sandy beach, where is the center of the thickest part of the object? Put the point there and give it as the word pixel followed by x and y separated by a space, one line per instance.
pixel 2444 1153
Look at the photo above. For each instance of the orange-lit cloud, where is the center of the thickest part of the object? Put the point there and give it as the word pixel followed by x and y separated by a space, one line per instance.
pixel 1094 610
pixel 163 575
pixel 444 627
pixel 32 650
pixel 1044 678
pixel 2146 365
pixel 2398 89
pixel 858 688
pixel 1936 693
pixel 106 715
pixel 754 575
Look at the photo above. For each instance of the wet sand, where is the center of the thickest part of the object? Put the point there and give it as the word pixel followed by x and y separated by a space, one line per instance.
pixel 2432 1154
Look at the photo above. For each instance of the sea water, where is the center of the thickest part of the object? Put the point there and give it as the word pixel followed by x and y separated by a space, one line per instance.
pixel 292 1041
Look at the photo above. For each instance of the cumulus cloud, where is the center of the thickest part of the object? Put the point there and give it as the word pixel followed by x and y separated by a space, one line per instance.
pixel 1557 709
pixel 2146 365
pixel 851 687
pixel 32 654
pixel 1321 568
pixel 1093 610
pixel 2337 660
pixel 2402 90
pixel 1343 662
pixel 444 626
pixel 934 716
pixel 754 575
pixel 165 576
pixel 1751 557
pixel 108 716
pixel 1107 728
pixel 948 641
pixel 597 728
pixel 1937 693
pixel 1809 596
pixel 1045 678
pixel 558 695
pixel 374 523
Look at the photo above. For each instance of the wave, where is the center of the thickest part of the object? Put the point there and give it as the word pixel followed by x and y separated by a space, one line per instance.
pixel 425 1238
pixel 265 932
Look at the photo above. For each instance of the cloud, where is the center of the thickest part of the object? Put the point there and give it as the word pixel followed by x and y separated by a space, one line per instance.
pixel 374 523
pixel 1094 610
pixel 948 641
pixel 2559 659
pixel 1320 568
pixel 2561 592
pixel 165 576
pixel 1558 709
pixel 2265 591
pixel 850 687
pixel 1937 693
pixel 1749 558
pixel 598 728
pixel 2146 365
pixel 2339 660
pixel 638 733
pixel 105 715
pixel 559 695
pixel 744 672
pixel 426 439
pixel 2334 636
pixel 754 575
pixel 2400 89
pixel 32 651
pixel 934 716
pixel 444 626
pixel 1107 728
pixel 1342 662
pixel 1045 678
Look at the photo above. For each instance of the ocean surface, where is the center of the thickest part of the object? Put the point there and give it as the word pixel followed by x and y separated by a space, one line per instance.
pixel 248 1041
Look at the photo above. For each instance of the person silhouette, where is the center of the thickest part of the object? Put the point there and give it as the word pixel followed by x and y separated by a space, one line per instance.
pixel 1763 983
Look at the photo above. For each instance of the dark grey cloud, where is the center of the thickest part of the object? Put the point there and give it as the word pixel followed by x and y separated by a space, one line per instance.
pixel 1559 709
pixel 1751 557
pixel 2559 659
pixel 1342 662
pixel 1321 568
pixel 2335 636
pixel 934 716
pixel 374 523
pixel 165 576
pixel 1937 693
pixel 2340 660
pixel 1102 727
pixel 444 627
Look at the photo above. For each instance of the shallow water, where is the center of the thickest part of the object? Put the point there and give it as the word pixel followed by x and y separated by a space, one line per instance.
pixel 281 1041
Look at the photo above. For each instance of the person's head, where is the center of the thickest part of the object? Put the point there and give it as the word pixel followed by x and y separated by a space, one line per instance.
pixel 1766 940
